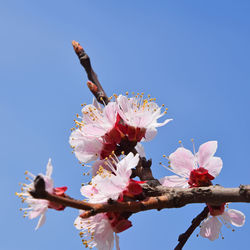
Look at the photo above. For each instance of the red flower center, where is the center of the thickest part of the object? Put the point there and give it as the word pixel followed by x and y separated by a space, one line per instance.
pixel 216 210
pixel 118 133
pixel 200 178
pixel 118 222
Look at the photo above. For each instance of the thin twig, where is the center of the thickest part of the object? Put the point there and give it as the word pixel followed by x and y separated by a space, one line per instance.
pixel 94 84
pixel 195 223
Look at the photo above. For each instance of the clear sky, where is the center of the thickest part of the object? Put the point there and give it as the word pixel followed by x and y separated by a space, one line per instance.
pixel 191 55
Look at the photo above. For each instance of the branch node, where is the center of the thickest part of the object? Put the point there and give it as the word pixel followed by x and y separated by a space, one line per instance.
pixel 244 191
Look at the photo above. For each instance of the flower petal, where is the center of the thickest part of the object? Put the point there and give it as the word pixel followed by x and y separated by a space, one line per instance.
pixel 88 150
pixel 235 217
pixel 96 104
pixel 49 169
pixel 174 181
pixel 110 112
pixel 160 124
pixel 117 242
pixel 210 228
pixel 125 165
pixel 104 234
pixel 140 149
pixel 214 166
pixel 150 133
pixel 41 221
pixel 39 207
pixel 206 151
pixel 182 162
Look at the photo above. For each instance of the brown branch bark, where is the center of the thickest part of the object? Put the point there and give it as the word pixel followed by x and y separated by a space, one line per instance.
pixel 158 198
pixel 195 223
pixel 94 84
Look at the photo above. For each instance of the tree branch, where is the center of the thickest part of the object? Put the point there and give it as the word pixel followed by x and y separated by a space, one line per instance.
pixel 195 223
pixel 94 84
pixel 158 198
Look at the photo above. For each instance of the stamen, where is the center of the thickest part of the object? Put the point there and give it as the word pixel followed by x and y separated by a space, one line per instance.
pixel 192 140
pixel 180 142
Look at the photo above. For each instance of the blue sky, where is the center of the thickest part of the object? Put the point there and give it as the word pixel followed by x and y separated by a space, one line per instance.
pixel 193 56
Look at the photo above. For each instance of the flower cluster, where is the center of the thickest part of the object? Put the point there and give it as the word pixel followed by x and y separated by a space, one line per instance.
pixel 116 127
pixel 111 137
pixel 112 182
pixel 103 134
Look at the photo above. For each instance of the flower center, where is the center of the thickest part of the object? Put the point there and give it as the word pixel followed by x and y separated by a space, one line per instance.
pixel 119 134
pixel 216 210
pixel 118 222
pixel 200 178
pixel 132 133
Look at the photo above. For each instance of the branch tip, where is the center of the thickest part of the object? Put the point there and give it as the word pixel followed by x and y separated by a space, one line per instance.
pixel 77 47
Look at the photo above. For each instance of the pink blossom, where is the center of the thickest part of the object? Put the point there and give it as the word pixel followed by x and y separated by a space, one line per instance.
pixel 193 170
pixel 139 117
pixel 96 231
pixel 96 135
pixel 112 182
pixel 39 207
pixel 211 226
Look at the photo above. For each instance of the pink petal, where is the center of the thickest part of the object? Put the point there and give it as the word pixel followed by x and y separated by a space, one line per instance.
pixel 39 211
pixel 150 134
pixel 49 168
pixel 206 151
pixel 214 166
pixel 123 106
pixel 235 217
pixel 126 164
pixel 96 165
pixel 210 228
pixel 110 112
pixel 160 124
pixel 94 130
pixel 104 234
pixel 41 221
pixel 117 242
pixel 88 191
pixel 174 181
pixel 182 162
pixel 49 183
pixel 140 149
pixel 88 150
pixel 96 104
